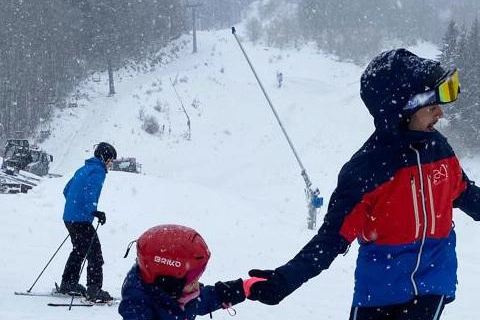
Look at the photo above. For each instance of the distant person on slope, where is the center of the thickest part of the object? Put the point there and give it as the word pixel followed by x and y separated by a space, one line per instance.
pixel 164 284
pixel 395 196
pixel 279 79
pixel 81 198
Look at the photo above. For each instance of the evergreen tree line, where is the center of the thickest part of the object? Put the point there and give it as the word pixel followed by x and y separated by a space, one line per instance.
pixel 356 30
pixel 219 14
pixel 49 46
pixel 461 49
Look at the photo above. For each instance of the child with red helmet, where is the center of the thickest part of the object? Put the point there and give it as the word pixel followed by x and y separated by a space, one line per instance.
pixel 164 282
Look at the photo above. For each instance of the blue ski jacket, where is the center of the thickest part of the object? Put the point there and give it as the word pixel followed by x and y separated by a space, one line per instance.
pixel 83 191
pixel 141 301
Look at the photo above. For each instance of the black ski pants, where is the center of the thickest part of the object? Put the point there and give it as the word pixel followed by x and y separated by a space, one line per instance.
pixel 85 243
pixel 428 307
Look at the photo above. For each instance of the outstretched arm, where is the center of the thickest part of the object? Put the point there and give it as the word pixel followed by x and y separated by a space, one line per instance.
pixel 316 256
pixel 345 216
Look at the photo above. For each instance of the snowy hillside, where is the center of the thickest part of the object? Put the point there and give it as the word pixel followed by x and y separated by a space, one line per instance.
pixel 235 181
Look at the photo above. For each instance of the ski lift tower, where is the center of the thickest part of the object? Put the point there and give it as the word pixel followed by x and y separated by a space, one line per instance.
pixel 193 6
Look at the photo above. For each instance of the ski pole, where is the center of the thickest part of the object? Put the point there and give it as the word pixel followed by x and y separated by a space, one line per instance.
pixel 311 193
pixel 30 289
pixel 85 259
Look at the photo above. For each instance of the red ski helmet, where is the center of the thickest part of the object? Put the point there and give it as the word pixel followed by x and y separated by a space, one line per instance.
pixel 171 250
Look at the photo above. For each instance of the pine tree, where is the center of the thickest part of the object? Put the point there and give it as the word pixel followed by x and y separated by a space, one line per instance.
pixel 449 45
pixel 471 110
pixel 465 116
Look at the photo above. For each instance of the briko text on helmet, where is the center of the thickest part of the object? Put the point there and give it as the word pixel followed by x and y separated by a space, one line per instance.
pixel 168 262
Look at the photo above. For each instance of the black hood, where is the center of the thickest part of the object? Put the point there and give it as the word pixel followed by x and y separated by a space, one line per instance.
pixel 390 80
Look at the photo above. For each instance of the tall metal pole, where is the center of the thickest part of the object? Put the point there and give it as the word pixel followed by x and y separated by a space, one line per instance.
pixel 194 22
pixel 314 200
pixel 111 85
pixel 194 31
pixel 308 183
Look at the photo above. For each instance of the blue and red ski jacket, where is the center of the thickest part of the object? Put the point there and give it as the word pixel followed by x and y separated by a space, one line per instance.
pixel 395 196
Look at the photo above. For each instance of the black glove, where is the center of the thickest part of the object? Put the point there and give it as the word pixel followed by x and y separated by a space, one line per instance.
pixel 230 292
pixel 101 216
pixel 272 290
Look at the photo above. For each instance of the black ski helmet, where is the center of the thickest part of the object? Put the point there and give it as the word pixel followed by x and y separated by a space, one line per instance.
pixel 105 151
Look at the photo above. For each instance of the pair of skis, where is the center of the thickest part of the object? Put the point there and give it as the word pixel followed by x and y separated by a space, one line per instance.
pixel 78 303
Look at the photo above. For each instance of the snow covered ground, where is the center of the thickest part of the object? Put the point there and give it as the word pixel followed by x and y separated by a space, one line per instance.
pixel 235 181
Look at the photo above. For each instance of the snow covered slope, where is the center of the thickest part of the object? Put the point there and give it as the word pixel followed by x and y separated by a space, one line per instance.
pixel 235 181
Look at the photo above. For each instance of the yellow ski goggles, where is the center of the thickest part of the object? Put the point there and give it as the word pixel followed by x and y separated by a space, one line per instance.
pixel 445 91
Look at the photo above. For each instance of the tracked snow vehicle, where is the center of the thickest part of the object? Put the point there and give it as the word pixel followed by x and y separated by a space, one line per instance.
pixel 22 166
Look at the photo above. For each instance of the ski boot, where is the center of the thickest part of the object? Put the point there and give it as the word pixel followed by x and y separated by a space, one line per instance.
pixel 97 295
pixel 72 289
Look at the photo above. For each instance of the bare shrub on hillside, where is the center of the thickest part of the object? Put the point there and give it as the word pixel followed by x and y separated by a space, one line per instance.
pixel 150 124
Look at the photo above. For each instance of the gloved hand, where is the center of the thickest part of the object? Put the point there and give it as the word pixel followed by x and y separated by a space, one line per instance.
pixel 101 216
pixel 271 291
pixel 230 292
pixel 247 284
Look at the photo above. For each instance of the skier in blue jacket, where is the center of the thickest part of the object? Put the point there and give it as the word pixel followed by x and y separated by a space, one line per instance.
pixel 82 193
pixel 164 282
pixel 396 197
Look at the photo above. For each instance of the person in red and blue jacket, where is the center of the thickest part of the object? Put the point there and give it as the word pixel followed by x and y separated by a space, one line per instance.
pixel 395 196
